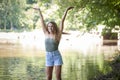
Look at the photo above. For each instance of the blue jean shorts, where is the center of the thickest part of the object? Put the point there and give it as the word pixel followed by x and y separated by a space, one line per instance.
pixel 53 58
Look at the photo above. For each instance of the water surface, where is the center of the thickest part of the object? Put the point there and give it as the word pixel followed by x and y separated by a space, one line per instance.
pixel 18 62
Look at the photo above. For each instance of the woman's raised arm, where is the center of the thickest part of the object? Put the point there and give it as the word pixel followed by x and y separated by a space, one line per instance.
pixel 42 20
pixel 63 19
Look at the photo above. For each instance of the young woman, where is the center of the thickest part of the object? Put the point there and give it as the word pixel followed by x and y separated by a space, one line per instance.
pixel 52 40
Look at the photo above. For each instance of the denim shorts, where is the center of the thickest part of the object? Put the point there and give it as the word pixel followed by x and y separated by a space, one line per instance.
pixel 53 58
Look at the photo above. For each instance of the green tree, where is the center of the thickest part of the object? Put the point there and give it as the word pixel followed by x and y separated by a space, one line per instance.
pixel 11 13
pixel 90 13
pixel 86 14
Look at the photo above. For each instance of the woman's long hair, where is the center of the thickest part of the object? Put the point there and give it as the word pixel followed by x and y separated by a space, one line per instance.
pixel 55 27
pixel 56 30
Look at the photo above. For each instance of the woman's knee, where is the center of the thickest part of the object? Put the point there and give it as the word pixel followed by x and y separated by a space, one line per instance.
pixel 58 73
pixel 49 71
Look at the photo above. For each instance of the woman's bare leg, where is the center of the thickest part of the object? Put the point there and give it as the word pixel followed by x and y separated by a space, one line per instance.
pixel 58 72
pixel 49 71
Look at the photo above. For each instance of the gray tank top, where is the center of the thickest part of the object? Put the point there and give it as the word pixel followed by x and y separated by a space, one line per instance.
pixel 51 44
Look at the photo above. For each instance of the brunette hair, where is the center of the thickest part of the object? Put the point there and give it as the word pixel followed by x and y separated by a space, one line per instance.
pixel 55 26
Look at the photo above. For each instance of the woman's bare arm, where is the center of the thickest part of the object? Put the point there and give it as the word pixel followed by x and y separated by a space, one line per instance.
pixel 42 20
pixel 63 19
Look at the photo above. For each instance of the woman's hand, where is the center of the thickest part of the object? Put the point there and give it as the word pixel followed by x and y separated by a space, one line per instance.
pixel 70 8
pixel 36 8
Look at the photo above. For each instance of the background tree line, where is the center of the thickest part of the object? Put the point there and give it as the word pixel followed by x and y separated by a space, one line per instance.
pixel 87 14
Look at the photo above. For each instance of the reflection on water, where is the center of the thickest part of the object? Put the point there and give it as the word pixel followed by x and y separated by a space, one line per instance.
pixel 21 69
pixel 28 63
pixel 80 67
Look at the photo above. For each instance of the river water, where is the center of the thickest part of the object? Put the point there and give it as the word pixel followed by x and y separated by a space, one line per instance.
pixel 82 61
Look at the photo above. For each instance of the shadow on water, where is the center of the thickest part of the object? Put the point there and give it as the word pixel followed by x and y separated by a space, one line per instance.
pixel 77 65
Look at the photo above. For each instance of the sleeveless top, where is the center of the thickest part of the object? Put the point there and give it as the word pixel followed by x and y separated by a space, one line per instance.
pixel 51 44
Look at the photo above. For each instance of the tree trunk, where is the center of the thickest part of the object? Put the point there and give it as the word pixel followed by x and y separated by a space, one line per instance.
pixel 11 25
pixel 5 24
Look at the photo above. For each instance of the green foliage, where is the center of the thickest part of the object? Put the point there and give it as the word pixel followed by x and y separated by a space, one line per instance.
pixel 107 33
pixel 31 1
pixel 85 15
pixel 93 12
pixel 11 13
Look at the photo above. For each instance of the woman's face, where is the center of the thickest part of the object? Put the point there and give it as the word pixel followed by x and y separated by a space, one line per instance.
pixel 50 27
